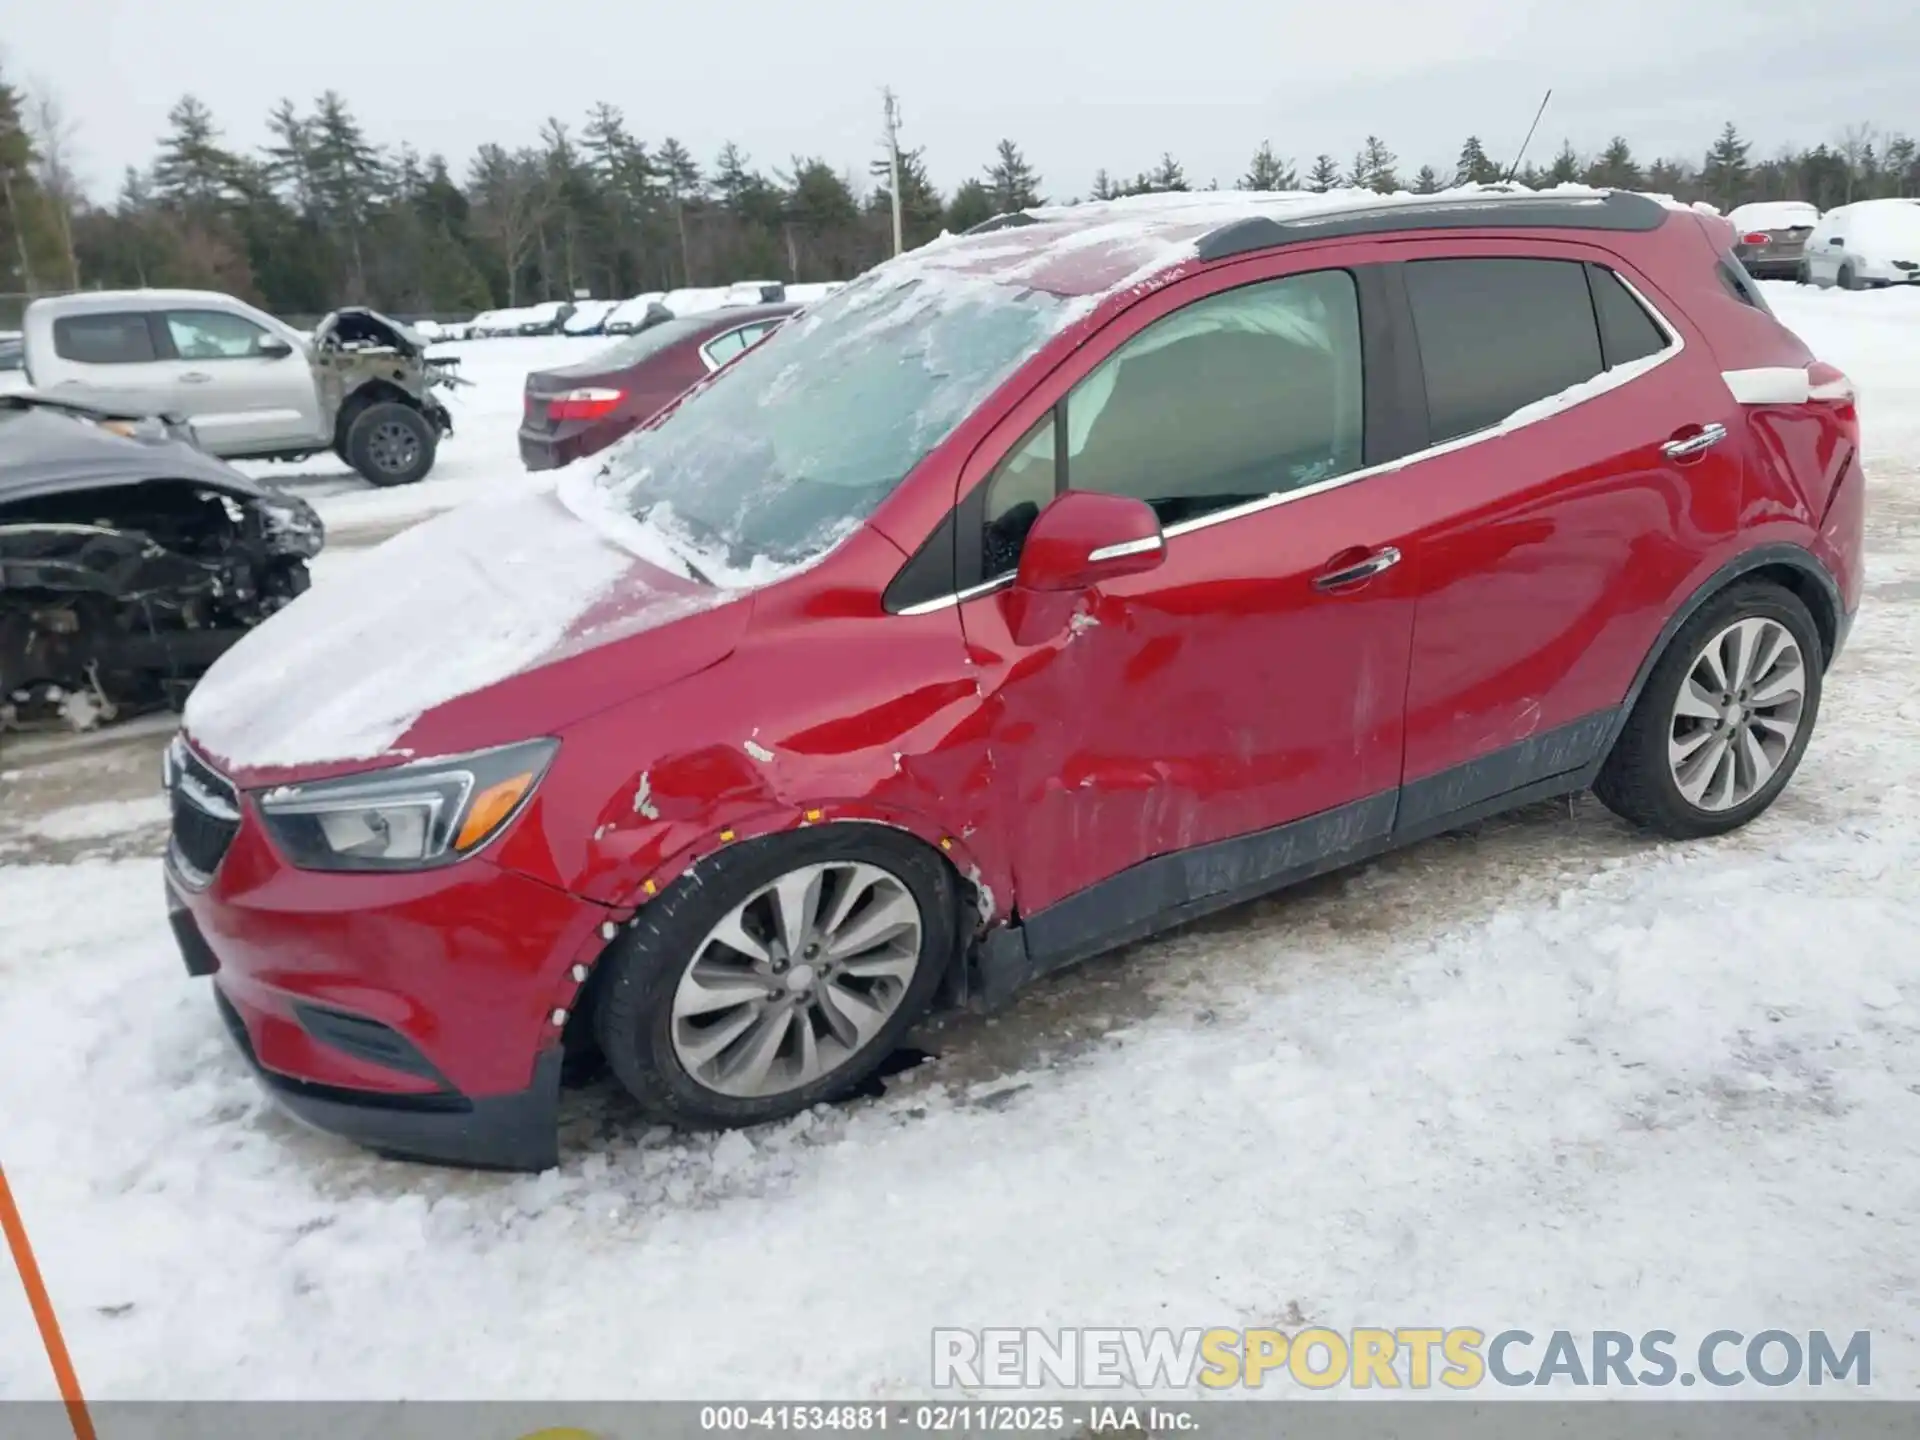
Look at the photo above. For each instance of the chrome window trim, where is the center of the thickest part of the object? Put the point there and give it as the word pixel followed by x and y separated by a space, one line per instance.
pixel 713 364
pixel 1620 376
pixel 1129 547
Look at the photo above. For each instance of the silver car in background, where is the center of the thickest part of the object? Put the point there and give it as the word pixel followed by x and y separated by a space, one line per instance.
pixel 250 386
pixel 1869 244
pixel 1770 237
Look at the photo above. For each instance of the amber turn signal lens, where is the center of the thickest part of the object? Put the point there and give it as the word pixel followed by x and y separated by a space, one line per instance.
pixel 490 808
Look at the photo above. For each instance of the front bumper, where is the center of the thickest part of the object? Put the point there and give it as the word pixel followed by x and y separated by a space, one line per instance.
pixel 500 1132
pixel 413 1013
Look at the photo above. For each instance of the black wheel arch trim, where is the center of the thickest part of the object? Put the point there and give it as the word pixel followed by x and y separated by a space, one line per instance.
pixel 1796 557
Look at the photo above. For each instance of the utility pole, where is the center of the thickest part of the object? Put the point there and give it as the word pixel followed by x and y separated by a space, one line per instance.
pixel 893 164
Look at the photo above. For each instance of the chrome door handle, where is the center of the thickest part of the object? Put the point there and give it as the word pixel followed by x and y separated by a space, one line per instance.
pixel 195 377
pixel 1709 436
pixel 1383 559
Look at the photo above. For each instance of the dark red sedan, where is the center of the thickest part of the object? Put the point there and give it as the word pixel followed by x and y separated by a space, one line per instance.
pixel 1040 590
pixel 580 409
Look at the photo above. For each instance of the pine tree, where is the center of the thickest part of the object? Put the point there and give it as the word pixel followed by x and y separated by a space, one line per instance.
pixel 1475 166
pixel 1666 178
pixel 1324 175
pixel 1104 186
pixel 1011 182
pixel 1427 182
pixel 972 205
pixel 1381 174
pixel 1373 168
pixel 1615 169
pixel 681 178
pixel 1267 172
pixel 193 169
pixel 290 158
pixel 922 215
pixel 349 177
pixel 1724 175
pixel 1902 169
pixel 35 248
pixel 1566 165
pixel 1165 176
pixel 22 215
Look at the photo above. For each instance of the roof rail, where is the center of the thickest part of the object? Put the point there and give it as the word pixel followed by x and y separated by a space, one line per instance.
pixel 1001 222
pixel 1615 210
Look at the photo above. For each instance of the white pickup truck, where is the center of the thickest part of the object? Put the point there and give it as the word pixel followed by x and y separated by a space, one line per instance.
pixel 251 387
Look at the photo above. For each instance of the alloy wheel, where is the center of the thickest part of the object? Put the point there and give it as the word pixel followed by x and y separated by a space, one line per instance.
pixel 393 447
pixel 794 981
pixel 1737 714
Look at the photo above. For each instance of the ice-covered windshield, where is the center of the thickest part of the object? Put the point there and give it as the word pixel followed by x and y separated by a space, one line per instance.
pixel 800 439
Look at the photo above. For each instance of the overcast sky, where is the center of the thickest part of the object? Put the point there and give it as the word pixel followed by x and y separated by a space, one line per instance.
pixel 1079 84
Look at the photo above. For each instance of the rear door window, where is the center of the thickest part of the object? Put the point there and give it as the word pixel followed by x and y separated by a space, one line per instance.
pixel 1498 334
pixel 1627 332
pixel 112 338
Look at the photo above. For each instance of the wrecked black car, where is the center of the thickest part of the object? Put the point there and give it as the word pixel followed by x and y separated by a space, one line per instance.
pixel 129 561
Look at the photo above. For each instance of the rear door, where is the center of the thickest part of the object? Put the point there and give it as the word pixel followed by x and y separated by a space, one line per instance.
pixel 1585 461
pixel 115 356
pixel 240 400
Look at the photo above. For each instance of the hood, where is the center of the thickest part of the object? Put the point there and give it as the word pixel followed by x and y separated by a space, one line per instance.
pixel 355 325
pixel 486 625
pixel 53 448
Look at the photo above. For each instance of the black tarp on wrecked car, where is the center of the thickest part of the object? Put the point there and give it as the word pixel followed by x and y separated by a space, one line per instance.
pixel 129 560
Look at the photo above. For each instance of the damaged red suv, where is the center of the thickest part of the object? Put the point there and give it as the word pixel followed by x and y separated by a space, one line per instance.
pixel 1042 589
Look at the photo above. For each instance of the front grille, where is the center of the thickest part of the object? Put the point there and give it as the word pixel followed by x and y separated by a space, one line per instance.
pixel 206 815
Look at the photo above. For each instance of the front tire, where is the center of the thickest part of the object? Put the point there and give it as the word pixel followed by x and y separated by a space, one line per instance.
pixel 1848 279
pixel 780 976
pixel 1724 719
pixel 391 444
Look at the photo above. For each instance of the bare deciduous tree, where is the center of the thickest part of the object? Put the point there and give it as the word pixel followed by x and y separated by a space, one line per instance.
pixel 53 136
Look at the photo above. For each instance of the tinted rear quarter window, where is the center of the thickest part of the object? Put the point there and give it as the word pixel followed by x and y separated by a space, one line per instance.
pixel 111 339
pixel 1497 334
pixel 1627 332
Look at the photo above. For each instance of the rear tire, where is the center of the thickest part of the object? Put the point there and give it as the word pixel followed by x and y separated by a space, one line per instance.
pixel 1693 759
pixel 674 989
pixel 1848 279
pixel 391 444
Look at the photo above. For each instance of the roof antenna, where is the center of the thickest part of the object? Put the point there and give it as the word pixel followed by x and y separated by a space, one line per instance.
pixel 1514 169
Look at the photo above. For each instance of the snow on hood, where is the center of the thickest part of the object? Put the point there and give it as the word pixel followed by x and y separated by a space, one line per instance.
pixel 449 607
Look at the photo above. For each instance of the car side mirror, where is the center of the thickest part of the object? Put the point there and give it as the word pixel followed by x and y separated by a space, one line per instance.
pixel 1079 541
pixel 272 347
pixel 1083 538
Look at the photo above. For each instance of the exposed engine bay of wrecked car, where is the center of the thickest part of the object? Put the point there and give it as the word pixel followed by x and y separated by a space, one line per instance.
pixel 129 562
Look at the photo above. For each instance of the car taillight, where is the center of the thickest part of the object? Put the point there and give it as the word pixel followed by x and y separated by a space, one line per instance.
pixel 586 404
pixel 1756 237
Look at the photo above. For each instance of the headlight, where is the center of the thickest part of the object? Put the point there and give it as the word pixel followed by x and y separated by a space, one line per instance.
pixel 431 812
pixel 291 526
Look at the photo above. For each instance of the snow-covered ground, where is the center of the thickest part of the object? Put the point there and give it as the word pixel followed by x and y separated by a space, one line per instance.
pixel 1548 1074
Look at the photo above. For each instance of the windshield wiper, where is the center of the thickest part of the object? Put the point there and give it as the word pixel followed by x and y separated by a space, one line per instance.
pixel 660 533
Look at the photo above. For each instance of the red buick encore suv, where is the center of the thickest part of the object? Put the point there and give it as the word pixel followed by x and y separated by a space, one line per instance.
pixel 1048 586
